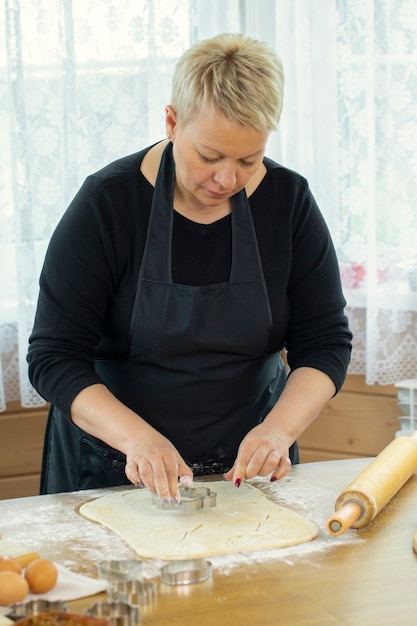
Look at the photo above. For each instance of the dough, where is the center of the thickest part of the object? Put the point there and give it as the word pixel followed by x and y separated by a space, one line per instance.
pixel 243 520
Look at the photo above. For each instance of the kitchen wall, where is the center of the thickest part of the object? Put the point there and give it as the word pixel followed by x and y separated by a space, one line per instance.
pixel 359 422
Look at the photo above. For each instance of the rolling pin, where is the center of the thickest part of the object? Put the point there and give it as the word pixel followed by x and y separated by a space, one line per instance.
pixel 18 553
pixel 367 495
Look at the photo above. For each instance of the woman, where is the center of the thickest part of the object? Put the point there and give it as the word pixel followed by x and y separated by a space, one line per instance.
pixel 172 284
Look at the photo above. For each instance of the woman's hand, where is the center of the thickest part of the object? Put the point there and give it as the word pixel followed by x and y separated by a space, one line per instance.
pixel 151 459
pixel 264 451
pixel 153 462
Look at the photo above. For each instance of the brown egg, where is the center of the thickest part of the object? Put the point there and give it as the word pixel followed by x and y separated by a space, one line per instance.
pixel 13 588
pixel 8 564
pixel 41 575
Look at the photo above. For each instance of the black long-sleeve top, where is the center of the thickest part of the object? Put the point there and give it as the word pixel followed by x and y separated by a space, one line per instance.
pixel 88 282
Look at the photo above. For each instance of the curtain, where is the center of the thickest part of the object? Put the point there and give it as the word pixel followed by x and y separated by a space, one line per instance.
pixel 82 82
pixel 85 82
pixel 349 125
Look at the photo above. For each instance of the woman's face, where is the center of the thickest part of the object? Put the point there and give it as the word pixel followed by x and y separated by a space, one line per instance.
pixel 214 159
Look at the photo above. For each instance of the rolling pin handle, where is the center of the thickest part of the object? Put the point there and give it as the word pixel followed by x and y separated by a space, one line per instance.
pixel 344 517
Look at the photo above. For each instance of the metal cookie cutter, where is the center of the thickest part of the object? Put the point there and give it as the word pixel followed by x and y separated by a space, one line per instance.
pixel 117 613
pixel 192 499
pixel 34 607
pixel 186 572
pixel 124 569
pixel 134 592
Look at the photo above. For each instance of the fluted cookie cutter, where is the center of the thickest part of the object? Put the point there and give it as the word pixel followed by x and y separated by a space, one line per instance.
pixel 134 592
pixel 192 499
pixel 123 569
pixel 116 613
pixel 34 607
pixel 186 572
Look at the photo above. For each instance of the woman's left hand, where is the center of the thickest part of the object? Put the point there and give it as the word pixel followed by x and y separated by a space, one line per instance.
pixel 264 451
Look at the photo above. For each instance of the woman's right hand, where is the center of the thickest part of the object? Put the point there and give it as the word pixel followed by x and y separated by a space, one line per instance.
pixel 155 463
pixel 151 459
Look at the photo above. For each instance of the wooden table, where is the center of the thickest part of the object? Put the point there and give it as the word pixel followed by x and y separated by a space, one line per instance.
pixel 366 576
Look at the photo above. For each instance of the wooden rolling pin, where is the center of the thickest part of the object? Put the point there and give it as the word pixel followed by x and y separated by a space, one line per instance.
pixel 18 553
pixel 364 498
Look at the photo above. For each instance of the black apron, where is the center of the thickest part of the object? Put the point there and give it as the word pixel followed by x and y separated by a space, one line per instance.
pixel 198 369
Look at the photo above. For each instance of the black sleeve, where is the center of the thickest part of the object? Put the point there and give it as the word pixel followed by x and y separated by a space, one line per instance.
pixel 89 252
pixel 318 334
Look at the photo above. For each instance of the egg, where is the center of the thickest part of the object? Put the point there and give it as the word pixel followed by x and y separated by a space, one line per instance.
pixel 13 588
pixel 41 575
pixel 8 564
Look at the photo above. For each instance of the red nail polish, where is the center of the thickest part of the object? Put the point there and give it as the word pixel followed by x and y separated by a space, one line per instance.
pixel 237 482
pixel 273 479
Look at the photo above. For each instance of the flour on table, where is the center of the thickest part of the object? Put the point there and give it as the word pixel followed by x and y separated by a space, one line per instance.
pixel 243 520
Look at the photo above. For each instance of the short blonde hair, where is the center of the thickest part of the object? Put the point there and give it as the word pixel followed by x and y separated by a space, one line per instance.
pixel 238 76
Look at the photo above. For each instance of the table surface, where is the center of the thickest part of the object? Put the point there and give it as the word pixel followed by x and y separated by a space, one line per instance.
pixel 366 576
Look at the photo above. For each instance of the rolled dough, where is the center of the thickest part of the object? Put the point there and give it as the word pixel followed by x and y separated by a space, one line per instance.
pixel 243 520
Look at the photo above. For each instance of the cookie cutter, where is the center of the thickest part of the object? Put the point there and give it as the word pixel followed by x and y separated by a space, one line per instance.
pixel 21 610
pixel 186 572
pixel 192 499
pixel 116 613
pixel 134 592
pixel 124 569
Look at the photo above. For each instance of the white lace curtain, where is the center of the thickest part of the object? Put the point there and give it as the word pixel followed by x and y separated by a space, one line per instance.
pixel 350 126
pixel 82 83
